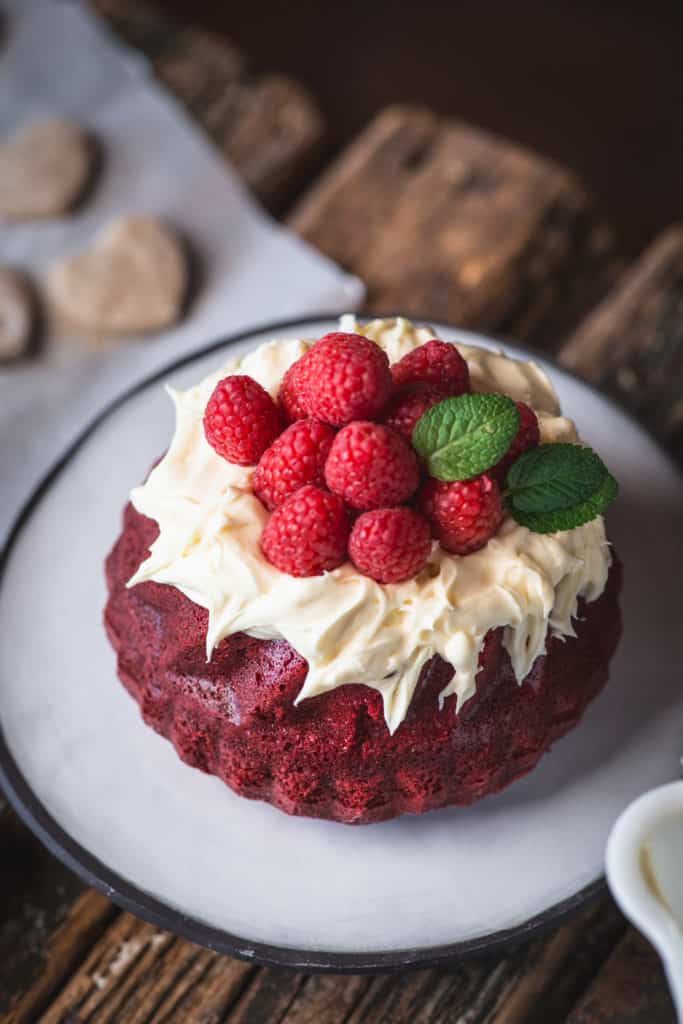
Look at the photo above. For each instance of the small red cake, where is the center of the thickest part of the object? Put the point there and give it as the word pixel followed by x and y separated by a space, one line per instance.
pixel 333 754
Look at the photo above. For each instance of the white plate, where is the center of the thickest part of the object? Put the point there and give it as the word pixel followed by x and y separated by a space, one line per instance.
pixel 113 800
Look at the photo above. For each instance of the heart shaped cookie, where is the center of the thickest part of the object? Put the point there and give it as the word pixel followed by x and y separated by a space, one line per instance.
pixel 43 169
pixel 16 315
pixel 132 281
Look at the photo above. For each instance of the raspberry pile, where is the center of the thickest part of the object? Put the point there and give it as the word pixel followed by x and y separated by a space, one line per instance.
pixel 335 466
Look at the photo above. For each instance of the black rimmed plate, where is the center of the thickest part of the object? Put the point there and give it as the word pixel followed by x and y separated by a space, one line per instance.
pixel 111 798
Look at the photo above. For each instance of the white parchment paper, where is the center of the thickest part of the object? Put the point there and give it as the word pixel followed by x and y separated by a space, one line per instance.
pixel 58 58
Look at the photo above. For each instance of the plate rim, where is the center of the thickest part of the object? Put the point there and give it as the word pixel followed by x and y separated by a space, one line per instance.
pixel 154 910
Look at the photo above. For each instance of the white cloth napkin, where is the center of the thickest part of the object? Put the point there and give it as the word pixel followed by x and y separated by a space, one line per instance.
pixel 58 58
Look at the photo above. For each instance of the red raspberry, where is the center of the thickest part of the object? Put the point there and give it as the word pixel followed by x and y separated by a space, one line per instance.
pixel 528 436
pixel 289 397
pixel 437 364
pixel 344 377
pixel 241 420
pixel 464 514
pixel 390 544
pixel 307 534
pixel 371 466
pixel 295 458
pixel 408 405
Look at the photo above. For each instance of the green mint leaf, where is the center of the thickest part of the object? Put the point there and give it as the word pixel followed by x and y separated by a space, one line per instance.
pixel 552 477
pixel 464 436
pixel 568 518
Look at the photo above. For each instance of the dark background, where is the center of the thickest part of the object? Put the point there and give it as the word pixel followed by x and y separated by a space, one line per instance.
pixel 598 86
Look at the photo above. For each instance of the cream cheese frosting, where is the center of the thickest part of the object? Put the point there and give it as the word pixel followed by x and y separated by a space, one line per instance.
pixel 349 628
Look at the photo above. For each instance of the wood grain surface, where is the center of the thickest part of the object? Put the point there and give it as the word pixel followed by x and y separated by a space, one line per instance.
pixel 631 345
pixel 267 126
pixel 628 989
pixel 446 222
pixel 443 220
pixel 134 972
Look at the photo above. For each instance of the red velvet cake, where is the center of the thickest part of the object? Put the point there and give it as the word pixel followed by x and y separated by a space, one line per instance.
pixel 238 620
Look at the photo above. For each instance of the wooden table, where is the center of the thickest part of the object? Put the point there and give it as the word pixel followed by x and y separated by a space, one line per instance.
pixel 443 221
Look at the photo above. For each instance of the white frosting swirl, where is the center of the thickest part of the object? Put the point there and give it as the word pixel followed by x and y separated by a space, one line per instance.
pixel 347 627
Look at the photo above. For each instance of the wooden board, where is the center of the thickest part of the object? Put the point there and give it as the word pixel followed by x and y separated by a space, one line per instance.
pixel 445 221
pixel 47 919
pixel 267 126
pixel 632 343
pixel 137 973
pixel 629 989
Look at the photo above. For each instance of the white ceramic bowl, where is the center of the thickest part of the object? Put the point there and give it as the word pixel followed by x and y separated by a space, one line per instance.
pixel 645 873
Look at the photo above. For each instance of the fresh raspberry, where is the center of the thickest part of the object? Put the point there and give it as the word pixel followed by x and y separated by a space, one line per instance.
pixel 241 420
pixel 295 458
pixel 289 397
pixel 344 377
pixel 409 403
pixel 371 466
pixel 307 534
pixel 390 544
pixel 437 364
pixel 527 436
pixel 464 514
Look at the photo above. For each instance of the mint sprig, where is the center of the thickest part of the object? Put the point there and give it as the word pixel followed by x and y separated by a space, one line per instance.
pixel 555 476
pixel 464 436
pixel 550 488
pixel 569 518
pixel 557 487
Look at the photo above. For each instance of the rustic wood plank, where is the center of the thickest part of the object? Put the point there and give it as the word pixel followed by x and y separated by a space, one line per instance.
pixel 442 220
pixel 48 921
pixel 530 990
pixel 632 344
pixel 268 998
pixel 326 998
pixel 485 990
pixel 206 992
pixel 266 125
pixel 630 989
pixel 138 973
pixel 60 955
pixel 606 928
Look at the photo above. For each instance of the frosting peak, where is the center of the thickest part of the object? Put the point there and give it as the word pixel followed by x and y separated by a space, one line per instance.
pixel 349 628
